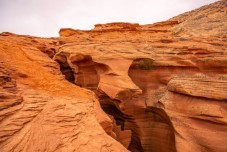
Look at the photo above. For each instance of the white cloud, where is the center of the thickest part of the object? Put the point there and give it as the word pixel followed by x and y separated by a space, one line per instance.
pixel 46 17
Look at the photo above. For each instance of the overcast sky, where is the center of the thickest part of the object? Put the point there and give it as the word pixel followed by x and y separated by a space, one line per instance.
pixel 45 17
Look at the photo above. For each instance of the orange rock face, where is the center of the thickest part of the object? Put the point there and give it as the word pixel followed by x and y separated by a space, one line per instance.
pixel 119 87
pixel 40 110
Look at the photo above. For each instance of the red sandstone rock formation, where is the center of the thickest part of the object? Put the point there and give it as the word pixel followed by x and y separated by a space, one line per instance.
pixel 40 110
pixel 159 87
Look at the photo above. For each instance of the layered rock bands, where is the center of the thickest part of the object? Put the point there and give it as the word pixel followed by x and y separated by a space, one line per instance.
pixel 118 87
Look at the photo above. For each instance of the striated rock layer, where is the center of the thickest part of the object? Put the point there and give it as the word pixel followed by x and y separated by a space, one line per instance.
pixel 40 110
pixel 160 87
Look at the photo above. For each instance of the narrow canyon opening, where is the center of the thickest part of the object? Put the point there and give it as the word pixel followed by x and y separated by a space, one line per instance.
pixel 65 69
pixel 119 86
pixel 67 72
pixel 157 131
pixel 128 126
pixel 140 127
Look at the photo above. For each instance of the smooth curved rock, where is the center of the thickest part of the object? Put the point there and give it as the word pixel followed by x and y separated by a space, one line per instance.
pixel 158 87
pixel 40 111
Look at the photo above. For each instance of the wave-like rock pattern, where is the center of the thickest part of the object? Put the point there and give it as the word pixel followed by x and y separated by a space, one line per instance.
pixel 40 111
pixel 119 86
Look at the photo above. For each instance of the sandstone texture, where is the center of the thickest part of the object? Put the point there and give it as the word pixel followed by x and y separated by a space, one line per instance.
pixel 119 87
pixel 40 110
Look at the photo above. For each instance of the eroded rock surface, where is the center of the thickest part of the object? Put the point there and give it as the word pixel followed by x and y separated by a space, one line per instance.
pixel 118 86
pixel 40 110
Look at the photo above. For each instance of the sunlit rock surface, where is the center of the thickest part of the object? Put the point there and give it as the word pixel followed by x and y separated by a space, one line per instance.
pixel 120 86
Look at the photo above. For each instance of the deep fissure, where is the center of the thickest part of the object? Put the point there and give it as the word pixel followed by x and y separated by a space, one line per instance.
pixel 87 75
pixel 67 72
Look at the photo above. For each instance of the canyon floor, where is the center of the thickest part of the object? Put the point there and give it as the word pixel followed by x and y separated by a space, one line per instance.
pixel 119 87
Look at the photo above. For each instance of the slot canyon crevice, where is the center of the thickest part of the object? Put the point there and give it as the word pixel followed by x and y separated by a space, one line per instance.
pixel 118 87
pixel 137 126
